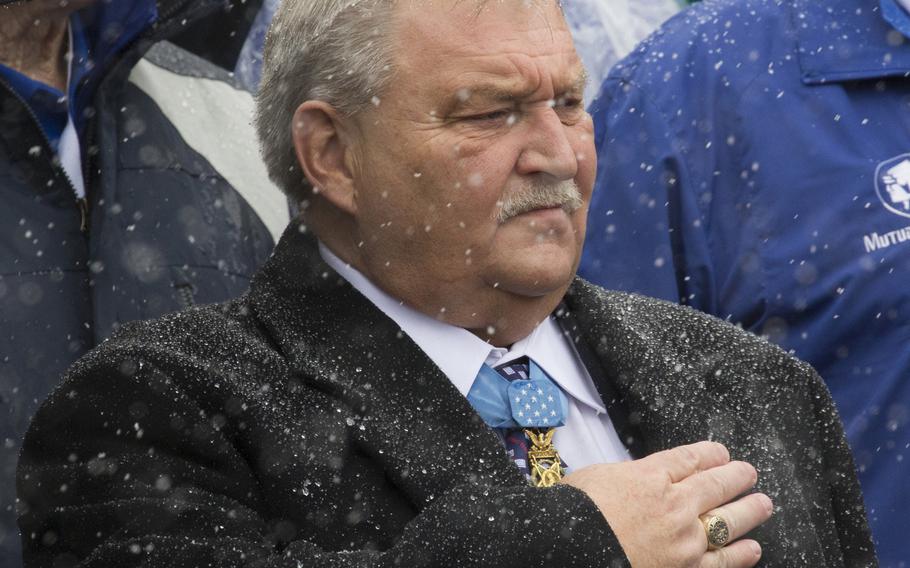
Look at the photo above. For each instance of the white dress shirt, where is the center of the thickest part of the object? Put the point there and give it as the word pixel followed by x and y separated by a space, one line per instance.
pixel 588 436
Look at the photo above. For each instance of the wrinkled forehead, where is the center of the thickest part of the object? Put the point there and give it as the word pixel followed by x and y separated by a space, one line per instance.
pixel 457 20
pixel 454 43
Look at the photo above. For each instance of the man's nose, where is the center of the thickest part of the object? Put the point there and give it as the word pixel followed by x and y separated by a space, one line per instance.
pixel 547 146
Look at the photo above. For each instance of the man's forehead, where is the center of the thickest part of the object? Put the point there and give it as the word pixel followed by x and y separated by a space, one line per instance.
pixel 468 92
pixel 497 45
pixel 450 22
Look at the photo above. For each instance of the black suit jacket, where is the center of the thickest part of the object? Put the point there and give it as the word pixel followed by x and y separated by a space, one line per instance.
pixel 298 426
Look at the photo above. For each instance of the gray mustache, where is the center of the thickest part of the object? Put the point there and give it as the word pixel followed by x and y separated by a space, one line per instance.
pixel 535 195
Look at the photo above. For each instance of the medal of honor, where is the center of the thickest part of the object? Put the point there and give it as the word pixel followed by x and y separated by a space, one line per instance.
pixel 539 407
pixel 543 459
pixel 534 405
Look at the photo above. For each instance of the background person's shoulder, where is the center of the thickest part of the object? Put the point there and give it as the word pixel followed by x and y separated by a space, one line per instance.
pixel 727 42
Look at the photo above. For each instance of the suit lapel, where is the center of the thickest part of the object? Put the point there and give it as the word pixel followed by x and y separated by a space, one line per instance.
pixel 614 402
pixel 414 421
pixel 672 392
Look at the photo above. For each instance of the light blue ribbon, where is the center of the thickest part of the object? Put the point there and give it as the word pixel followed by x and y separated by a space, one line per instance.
pixel 537 402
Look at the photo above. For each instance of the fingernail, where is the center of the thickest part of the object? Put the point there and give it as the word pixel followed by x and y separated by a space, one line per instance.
pixel 756 549
pixel 769 506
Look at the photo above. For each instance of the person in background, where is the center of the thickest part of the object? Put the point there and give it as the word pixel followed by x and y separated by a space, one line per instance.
pixel 248 70
pixel 755 164
pixel 416 378
pixel 604 31
pixel 130 187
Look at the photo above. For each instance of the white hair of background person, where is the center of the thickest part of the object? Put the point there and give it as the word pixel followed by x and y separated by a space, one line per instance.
pixel 604 31
pixel 248 69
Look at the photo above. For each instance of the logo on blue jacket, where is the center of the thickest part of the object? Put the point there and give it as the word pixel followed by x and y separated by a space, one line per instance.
pixel 892 184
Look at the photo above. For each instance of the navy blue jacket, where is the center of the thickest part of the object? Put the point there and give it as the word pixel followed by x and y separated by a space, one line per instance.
pixel 752 164
pixel 179 212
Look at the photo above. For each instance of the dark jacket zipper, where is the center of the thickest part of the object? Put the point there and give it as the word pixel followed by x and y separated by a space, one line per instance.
pixel 185 294
pixel 81 203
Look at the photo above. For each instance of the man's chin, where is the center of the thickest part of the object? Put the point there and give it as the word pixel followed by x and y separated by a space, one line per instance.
pixel 534 280
pixel 541 233
pixel 534 261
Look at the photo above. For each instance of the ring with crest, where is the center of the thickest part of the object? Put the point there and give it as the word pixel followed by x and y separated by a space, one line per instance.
pixel 717 531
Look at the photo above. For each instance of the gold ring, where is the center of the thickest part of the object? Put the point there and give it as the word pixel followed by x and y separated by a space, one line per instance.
pixel 716 530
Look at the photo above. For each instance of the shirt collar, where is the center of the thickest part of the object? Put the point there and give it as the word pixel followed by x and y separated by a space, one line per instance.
pixel 459 354
pixel 456 351
pixel 847 40
pixel 549 348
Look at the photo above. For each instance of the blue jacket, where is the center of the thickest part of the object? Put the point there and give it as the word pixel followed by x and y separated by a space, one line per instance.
pixel 179 211
pixel 754 163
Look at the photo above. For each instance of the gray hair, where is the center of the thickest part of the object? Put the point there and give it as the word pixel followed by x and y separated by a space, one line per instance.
pixel 336 51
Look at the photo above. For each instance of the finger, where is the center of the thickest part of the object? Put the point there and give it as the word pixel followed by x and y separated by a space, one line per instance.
pixel 744 514
pixel 683 461
pixel 740 554
pixel 719 485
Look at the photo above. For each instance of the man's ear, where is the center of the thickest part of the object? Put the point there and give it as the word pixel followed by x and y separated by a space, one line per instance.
pixel 324 152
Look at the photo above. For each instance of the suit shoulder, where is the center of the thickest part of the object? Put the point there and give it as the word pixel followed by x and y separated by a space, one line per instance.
pixel 681 332
pixel 223 335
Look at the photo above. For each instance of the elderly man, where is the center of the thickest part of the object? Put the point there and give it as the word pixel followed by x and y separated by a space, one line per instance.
pixel 415 378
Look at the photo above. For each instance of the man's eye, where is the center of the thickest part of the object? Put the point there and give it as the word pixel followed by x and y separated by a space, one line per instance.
pixel 569 102
pixel 492 116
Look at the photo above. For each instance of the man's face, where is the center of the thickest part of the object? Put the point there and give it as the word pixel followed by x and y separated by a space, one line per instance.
pixel 485 109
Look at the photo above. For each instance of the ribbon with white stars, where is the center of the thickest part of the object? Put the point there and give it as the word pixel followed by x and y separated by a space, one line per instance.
pixel 535 402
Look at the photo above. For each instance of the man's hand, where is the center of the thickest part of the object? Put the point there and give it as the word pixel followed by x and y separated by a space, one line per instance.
pixel 653 506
